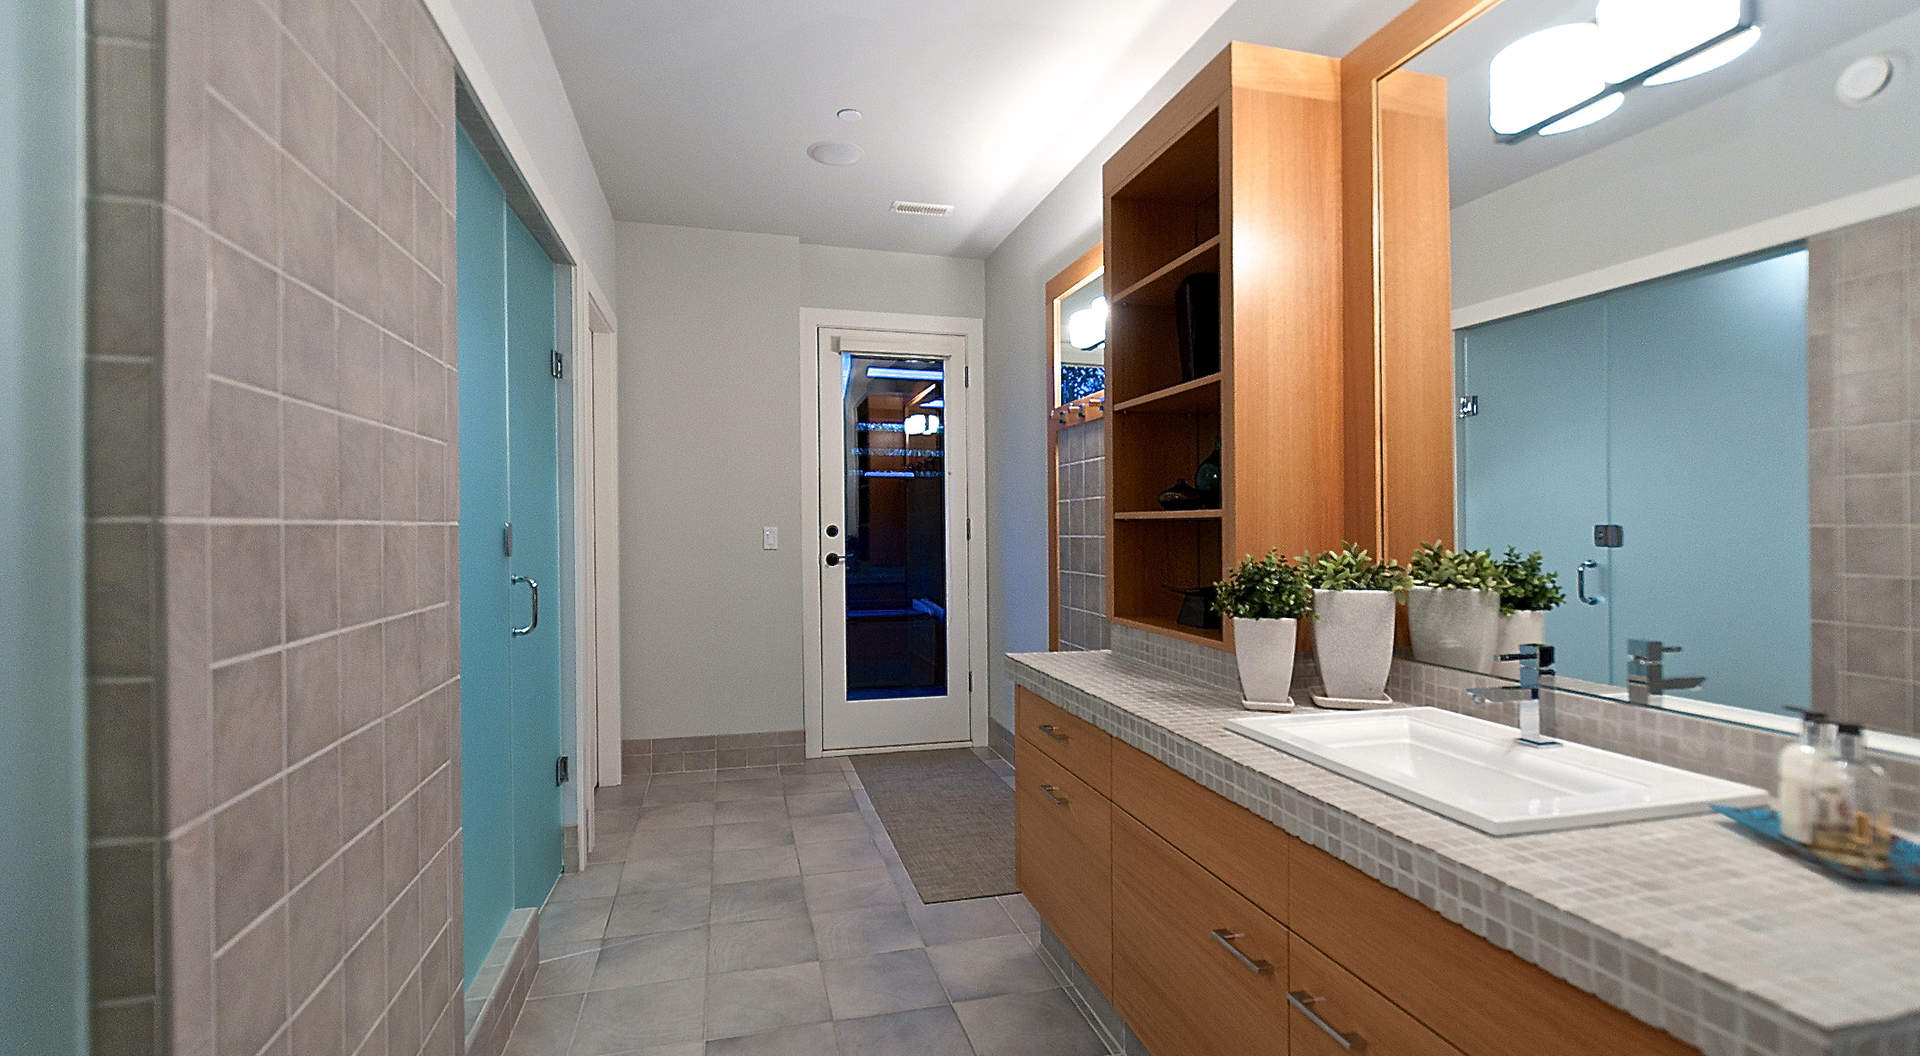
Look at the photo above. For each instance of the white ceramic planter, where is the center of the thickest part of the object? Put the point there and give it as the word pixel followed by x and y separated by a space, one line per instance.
pixel 1263 650
pixel 1353 641
pixel 1453 628
pixel 1516 630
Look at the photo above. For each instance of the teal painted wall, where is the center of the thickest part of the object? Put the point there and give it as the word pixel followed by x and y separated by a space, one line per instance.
pixel 42 762
pixel 510 686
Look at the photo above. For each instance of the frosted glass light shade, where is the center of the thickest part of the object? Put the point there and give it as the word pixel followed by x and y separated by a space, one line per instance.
pixel 1542 74
pixel 1586 115
pixel 1087 328
pixel 1637 35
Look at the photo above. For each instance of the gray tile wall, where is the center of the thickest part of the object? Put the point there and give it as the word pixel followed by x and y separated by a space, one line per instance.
pixel 726 751
pixel 1083 536
pixel 1863 319
pixel 272 640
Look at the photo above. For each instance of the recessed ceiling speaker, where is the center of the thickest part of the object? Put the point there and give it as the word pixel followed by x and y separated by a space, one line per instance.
pixel 923 209
pixel 835 152
pixel 1864 79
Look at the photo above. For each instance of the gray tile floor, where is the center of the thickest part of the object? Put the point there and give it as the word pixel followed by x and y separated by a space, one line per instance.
pixel 763 912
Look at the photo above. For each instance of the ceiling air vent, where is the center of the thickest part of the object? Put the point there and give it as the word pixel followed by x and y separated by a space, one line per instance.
pixel 923 209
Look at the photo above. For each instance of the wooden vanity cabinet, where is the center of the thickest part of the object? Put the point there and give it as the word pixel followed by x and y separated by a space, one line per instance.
pixel 1196 968
pixel 1063 845
pixel 1137 883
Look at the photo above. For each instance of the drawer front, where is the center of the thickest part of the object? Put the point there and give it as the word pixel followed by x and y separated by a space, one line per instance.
pixel 1482 999
pixel 1063 856
pixel 1232 842
pixel 1334 1014
pixel 1197 969
pixel 1074 743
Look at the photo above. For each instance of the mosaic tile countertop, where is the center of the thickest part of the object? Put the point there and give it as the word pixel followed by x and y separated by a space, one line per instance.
pixel 1686 923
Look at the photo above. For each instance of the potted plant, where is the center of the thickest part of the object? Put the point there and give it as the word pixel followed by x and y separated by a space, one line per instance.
pixel 1453 608
pixel 1353 605
pixel 1265 598
pixel 1529 594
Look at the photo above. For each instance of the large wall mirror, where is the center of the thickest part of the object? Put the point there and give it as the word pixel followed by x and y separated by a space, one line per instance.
pixel 1683 240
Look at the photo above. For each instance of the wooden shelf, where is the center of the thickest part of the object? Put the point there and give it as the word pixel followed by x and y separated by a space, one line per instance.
pixel 1167 515
pixel 1216 637
pixel 1189 397
pixel 1158 288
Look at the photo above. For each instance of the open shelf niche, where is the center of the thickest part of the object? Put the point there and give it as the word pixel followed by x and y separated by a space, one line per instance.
pixel 1238 176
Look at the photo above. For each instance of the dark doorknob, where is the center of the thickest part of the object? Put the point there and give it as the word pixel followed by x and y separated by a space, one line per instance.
pixel 833 559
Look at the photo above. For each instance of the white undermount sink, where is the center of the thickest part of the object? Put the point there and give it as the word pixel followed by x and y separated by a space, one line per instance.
pixel 1475 772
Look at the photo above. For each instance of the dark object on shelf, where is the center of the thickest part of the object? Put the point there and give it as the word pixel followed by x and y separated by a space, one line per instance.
pixel 1197 609
pixel 1184 496
pixel 1206 479
pixel 1903 868
pixel 1196 316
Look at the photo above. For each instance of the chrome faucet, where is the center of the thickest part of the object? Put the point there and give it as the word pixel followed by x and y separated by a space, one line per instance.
pixel 1646 675
pixel 1534 694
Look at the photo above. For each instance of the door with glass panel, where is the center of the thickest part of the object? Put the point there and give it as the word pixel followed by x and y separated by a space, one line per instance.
pixel 893 570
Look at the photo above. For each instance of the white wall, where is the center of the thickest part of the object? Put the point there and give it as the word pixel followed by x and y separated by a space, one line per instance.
pixel 503 52
pixel 711 389
pixel 1756 168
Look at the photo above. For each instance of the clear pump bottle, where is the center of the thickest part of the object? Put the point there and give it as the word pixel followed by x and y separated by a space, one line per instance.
pixel 1851 822
pixel 1799 764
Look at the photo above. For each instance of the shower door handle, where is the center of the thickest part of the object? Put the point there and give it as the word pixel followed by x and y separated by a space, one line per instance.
pixel 534 619
pixel 1580 582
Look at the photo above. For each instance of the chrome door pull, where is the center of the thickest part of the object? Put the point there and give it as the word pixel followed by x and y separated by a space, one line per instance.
pixel 534 620
pixel 1053 732
pixel 1580 582
pixel 1050 791
pixel 1227 939
pixel 1302 1002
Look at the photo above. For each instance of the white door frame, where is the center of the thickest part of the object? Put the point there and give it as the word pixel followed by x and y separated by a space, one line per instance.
pixel 595 615
pixel 813 552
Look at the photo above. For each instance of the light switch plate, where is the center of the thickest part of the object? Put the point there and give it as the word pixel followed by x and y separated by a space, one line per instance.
pixel 769 538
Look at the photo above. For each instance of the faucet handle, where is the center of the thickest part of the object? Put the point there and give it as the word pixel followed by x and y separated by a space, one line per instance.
pixel 1535 651
pixel 1649 649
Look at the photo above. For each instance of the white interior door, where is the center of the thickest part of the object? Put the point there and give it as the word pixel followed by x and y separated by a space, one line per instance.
pixel 893 523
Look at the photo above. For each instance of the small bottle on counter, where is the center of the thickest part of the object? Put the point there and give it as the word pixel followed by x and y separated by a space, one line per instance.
pixel 1851 823
pixel 1799 762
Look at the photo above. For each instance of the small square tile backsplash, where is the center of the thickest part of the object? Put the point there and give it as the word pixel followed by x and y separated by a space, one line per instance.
pixel 1083 536
pixel 1737 753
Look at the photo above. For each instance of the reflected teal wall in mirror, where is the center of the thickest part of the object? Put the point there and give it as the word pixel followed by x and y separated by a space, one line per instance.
pixel 1678 410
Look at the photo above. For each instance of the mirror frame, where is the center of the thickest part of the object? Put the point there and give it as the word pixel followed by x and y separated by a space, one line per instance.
pixel 1398 397
pixel 1090 265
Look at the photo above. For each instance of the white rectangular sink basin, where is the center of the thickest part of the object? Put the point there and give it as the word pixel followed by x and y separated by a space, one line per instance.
pixel 1476 773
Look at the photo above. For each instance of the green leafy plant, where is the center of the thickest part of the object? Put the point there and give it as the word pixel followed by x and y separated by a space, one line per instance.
pixel 1529 587
pixel 1351 568
pixel 1434 565
pixel 1266 588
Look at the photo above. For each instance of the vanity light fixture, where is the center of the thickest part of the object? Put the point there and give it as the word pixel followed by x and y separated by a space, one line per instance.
pixel 906 373
pixel 1087 328
pixel 1568 77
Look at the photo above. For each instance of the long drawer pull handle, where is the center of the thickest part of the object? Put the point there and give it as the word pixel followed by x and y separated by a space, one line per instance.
pixel 1053 732
pixel 1050 791
pixel 1302 1003
pixel 1227 939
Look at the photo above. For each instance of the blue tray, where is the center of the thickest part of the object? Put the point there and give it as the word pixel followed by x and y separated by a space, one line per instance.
pixel 1903 867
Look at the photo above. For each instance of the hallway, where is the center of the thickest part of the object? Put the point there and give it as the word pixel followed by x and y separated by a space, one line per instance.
pixel 763 910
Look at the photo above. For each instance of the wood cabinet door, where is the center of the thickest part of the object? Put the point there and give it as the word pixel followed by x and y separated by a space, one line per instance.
pixel 1063 858
pixel 1334 1013
pixel 1233 843
pixel 1197 969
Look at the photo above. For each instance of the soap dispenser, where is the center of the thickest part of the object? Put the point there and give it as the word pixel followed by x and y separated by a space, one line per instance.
pixel 1851 823
pixel 1799 763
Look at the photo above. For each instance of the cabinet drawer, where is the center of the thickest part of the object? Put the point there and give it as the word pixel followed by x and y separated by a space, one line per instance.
pixel 1345 1005
pixel 1482 999
pixel 1197 969
pixel 1232 842
pixel 1074 743
pixel 1063 858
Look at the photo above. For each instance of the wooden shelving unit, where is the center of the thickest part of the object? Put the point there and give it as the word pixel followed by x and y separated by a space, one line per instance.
pixel 1239 176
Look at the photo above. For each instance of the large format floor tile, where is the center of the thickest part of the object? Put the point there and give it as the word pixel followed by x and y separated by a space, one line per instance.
pixel 765 913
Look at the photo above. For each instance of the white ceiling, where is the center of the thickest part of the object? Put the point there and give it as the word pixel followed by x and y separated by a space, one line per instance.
pixel 1791 32
pixel 699 112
